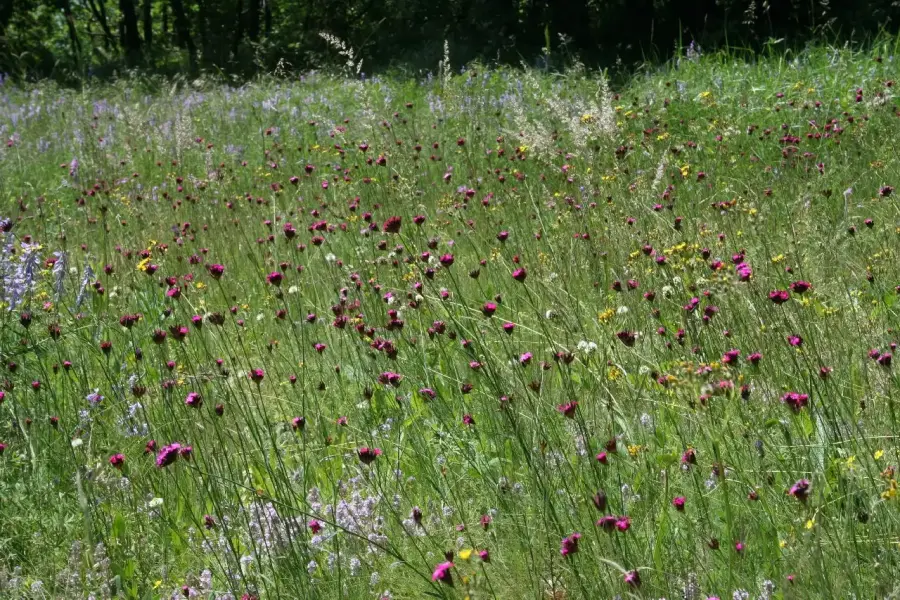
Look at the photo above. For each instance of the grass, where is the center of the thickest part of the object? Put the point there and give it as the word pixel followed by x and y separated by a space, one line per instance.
pixel 479 312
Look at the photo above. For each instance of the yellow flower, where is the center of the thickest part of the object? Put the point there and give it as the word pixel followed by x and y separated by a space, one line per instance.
pixel 634 450
pixel 782 544
pixel 200 285
pixel 142 266
pixel 878 454
pixel 662 137
pixel 810 523
pixel 587 118
pixel 613 373
pixel 606 315
pixel 465 554
pixel 685 170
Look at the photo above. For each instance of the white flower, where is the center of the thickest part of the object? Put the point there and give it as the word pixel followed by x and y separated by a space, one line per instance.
pixel 77 442
pixel 586 347
pixel 622 310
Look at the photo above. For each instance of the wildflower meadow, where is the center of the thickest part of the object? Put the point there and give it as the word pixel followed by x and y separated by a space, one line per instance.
pixel 488 333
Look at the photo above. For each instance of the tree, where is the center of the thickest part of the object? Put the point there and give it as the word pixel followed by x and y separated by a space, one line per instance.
pixel 148 23
pixel 70 26
pixel 130 39
pixel 183 31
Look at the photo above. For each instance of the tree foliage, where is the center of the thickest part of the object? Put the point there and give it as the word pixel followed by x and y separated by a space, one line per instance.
pixel 71 39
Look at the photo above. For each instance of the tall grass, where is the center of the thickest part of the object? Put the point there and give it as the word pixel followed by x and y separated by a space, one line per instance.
pixel 556 336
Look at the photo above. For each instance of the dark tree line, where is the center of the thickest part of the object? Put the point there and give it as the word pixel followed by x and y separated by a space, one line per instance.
pixel 76 38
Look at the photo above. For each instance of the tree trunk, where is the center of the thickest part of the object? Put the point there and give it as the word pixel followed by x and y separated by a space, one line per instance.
pixel 131 40
pixel 238 28
pixel 73 34
pixel 6 13
pixel 148 23
pixel 252 17
pixel 267 17
pixel 183 31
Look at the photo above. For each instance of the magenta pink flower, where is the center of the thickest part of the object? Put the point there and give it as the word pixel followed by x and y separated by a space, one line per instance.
pixel 568 409
pixel 779 296
pixel 194 400
pixel 116 460
pixel 627 337
pixel 392 225
pixel 520 274
pixel 799 287
pixel 731 356
pixel 795 400
pixel 678 503
pixel 632 578
pixel 442 573
pixel 368 455
pixel 390 378
pixel 569 544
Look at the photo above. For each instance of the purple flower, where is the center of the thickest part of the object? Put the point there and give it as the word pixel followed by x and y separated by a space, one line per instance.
pixel 800 490
pixel 167 455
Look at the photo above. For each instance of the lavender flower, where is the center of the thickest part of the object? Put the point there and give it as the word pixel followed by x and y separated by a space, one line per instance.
pixel 86 278
pixel 59 274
